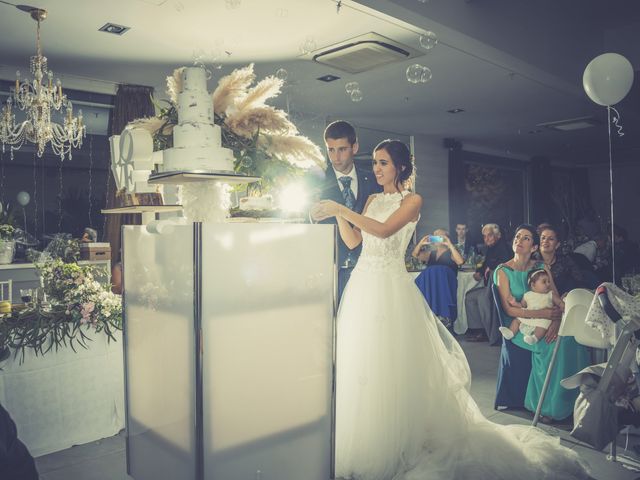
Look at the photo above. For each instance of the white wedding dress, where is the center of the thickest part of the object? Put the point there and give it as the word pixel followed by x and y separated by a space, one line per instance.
pixel 403 407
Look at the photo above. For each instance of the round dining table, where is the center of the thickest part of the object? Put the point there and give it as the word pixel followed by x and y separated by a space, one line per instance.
pixel 465 283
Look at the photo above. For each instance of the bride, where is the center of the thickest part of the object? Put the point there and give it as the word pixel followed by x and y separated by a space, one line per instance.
pixel 403 408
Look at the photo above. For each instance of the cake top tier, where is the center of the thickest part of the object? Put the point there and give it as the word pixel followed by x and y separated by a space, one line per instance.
pixel 194 79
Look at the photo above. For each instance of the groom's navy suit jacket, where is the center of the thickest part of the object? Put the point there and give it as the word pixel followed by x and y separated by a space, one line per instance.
pixel 330 190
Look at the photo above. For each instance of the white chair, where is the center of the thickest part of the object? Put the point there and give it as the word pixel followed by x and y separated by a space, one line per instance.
pixel 6 286
pixel 577 303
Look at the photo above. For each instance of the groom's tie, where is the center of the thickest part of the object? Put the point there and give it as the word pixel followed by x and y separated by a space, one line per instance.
pixel 347 193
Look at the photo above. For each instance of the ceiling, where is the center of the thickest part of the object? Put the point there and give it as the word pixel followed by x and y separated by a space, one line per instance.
pixel 509 64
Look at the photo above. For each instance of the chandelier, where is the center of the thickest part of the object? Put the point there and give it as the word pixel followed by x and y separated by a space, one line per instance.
pixel 37 98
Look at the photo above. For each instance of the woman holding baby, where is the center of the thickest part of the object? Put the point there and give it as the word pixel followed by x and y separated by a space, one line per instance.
pixel 524 364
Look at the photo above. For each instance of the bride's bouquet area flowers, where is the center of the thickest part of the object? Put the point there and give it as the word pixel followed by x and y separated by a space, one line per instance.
pixel 73 302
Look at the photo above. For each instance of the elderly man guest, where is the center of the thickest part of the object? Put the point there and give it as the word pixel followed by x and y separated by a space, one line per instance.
pixel 346 184
pixel 482 317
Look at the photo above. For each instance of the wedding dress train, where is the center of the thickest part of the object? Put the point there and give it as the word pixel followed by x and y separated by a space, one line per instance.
pixel 403 408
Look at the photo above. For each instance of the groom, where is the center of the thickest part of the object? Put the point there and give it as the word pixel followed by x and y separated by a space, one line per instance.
pixel 346 184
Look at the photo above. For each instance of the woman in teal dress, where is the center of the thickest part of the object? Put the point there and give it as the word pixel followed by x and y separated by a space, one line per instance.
pixel 520 361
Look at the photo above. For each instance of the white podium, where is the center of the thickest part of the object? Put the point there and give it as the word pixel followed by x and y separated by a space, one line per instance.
pixel 229 351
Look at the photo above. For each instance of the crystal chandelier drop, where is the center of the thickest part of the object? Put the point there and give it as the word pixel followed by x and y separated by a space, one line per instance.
pixel 37 99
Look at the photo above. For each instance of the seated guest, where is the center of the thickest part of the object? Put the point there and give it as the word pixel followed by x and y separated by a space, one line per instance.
pixel 566 272
pixel 588 249
pixel 444 253
pixel 602 262
pixel 482 317
pixel 523 367
pixel 463 244
pixel 16 463
pixel 627 256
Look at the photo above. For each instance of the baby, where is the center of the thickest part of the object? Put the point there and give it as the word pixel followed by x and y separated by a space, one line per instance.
pixel 540 296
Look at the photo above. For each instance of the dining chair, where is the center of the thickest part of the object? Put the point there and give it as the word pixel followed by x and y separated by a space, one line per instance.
pixel 6 286
pixel 577 303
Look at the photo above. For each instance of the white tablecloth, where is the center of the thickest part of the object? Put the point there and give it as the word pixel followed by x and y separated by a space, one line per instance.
pixel 465 283
pixel 64 398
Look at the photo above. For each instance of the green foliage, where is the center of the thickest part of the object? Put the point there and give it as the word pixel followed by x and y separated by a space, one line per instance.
pixel 76 302
pixel 6 232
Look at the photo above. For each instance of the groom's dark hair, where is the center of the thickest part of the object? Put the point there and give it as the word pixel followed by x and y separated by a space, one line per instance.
pixel 341 129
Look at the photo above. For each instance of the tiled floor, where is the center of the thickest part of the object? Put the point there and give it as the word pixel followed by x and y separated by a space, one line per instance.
pixel 105 459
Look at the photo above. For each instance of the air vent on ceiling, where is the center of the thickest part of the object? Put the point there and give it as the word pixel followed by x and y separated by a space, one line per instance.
pixel 364 53
pixel 571 124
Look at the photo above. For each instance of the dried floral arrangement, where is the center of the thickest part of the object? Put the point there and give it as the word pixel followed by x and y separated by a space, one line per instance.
pixel 264 141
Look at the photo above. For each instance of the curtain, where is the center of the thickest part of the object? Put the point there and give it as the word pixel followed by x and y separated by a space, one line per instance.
pixel 541 207
pixel 131 102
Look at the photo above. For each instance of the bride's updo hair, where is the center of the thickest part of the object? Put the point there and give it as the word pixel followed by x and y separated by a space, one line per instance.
pixel 401 157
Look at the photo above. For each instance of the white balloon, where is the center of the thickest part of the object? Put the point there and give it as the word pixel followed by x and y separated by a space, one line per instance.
pixel 608 78
pixel 23 198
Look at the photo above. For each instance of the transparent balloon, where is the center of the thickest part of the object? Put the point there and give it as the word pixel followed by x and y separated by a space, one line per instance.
pixel 208 59
pixel 233 4
pixel 426 75
pixel 178 6
pixel 351 86
pixel 356 96
pixel 414 73
pixel 308 46
pixel 428 40
pixel 282 12
pixel 282 74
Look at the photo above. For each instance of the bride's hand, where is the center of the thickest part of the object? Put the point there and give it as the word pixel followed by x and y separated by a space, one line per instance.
pixel 325 209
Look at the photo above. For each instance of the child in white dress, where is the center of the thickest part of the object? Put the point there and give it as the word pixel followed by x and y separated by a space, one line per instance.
pixel 540 296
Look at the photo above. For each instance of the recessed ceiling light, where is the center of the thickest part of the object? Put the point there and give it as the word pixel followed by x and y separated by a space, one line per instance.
pixel 328 78
pixel 455 110
pixel 113 28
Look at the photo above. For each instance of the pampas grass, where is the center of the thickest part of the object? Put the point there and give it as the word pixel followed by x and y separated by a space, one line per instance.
pixel 266 88
pixel 231 88
pixel 152 125
pixel 269 120
pixel 297 150
pixel 174 84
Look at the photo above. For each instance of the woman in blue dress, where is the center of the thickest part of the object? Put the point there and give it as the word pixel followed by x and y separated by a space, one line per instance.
pixel 523 367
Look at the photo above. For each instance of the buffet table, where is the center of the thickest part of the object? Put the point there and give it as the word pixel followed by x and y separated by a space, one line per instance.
pixel 65 398
pixel 465 283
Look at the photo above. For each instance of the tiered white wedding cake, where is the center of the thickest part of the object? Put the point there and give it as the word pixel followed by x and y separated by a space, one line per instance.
pixel 197 142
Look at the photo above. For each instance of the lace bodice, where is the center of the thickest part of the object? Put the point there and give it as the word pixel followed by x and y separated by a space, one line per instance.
pixel 385 254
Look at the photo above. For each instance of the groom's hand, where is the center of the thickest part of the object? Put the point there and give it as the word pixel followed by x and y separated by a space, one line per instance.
pixel 318 213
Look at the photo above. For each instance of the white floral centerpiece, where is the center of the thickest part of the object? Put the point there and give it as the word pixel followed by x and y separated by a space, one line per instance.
pixel 75 301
